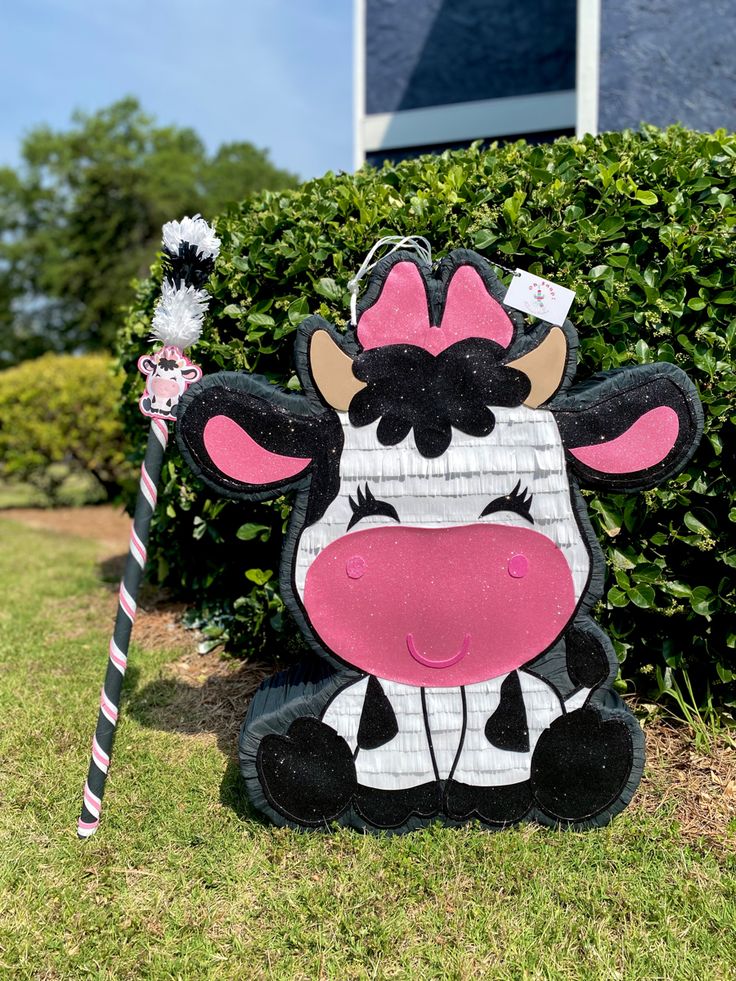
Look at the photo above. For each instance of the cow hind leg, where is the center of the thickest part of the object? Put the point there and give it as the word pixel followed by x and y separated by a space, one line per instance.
pixel 586 766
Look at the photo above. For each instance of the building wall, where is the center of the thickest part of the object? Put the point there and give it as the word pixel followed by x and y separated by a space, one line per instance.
pixel 668 61
pixel 439 52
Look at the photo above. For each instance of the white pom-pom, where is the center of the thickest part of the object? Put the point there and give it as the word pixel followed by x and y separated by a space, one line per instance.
pixel 195 231
pixel 177 320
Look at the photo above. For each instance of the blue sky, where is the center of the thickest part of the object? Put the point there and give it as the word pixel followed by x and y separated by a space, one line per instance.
pixel 275 72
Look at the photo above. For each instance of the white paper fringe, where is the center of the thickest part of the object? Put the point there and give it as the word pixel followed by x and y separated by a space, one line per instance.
pixel 177 321
pixel 194 231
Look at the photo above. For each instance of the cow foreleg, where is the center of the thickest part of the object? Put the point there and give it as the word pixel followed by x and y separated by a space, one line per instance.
pixel 588 665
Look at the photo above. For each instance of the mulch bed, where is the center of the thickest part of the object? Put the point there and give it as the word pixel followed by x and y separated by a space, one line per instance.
pixel 208 694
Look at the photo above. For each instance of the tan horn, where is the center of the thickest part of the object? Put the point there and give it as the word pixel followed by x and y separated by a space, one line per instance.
pixel 544 367
pixel 332 371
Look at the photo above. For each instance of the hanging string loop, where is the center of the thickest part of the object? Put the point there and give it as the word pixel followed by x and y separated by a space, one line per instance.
pixel 412 243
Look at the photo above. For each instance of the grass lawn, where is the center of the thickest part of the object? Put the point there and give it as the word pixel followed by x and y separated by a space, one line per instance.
pixel 183 881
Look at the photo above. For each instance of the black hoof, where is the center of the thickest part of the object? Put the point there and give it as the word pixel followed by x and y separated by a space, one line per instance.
pixel 392 808
pixel 492 805
pixel 581 765
pixel 308 775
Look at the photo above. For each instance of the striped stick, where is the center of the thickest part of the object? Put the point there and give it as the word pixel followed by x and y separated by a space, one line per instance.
pixel 135 563
pixel 190 249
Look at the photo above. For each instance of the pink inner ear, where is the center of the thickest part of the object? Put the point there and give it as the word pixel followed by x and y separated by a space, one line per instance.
pixel 400 315
pixel 237 455
pixel 641 446
pixel 470 310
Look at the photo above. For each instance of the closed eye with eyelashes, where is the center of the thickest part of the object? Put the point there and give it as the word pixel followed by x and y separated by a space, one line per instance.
pixel 367 504
pixel 518 501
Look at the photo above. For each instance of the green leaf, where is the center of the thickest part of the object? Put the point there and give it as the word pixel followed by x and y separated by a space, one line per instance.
pixel 617 597
pixel 702 600
pixel 248 532
pixel 261 320
pixel 647 572
pixel 610 517
pixel 646 197
pixel 678 589
pixel 621 561
pixel 642 351
pixel 259 576
pixel 329 289
pixel 233 310
pixel 642 596
pixel 512 206
pixel 695 525
pixel 298 310
pixel 483 238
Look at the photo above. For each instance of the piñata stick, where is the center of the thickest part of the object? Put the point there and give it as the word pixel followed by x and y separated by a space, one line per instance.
pixel 190 249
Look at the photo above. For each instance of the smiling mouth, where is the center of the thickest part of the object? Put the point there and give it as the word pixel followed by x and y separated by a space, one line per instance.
pixel 430 662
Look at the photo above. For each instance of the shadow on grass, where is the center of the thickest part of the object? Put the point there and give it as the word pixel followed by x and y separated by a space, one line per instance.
pixel 110 570
pixel 215 706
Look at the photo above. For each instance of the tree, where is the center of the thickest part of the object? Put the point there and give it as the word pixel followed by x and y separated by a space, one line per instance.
pixel 82 217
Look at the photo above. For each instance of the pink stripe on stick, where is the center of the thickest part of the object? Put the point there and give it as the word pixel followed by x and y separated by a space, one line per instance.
pixel 137 548
pixel 93 803
pixel 100 756
pixel 127 602
pixel 87 828
pixel 117 657
pixel 148 484
pixel 162 431
pixel 108 708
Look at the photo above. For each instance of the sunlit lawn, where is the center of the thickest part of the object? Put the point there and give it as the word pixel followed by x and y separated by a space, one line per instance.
pixel 183 881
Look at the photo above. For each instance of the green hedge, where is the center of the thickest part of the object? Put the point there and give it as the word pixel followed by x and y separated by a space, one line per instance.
pixel 641 225
pixel 60 428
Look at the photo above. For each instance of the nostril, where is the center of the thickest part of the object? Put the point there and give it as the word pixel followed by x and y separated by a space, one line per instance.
pixel 356 566
pixel 518 566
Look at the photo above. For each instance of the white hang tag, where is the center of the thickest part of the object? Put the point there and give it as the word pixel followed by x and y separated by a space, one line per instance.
pixel 539 297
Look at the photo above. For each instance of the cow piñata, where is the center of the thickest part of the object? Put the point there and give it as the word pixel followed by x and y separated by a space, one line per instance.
pixel 440 560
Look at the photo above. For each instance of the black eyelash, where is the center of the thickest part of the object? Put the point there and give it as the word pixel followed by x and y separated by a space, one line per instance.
pixel 368 504
pixel 519 501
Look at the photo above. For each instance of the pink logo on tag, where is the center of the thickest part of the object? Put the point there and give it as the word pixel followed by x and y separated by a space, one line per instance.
pixel 168 373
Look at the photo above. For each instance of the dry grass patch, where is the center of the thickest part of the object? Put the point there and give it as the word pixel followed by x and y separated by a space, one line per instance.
pixel 700 788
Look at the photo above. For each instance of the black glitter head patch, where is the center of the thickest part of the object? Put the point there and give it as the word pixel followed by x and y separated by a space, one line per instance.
pixel 408 388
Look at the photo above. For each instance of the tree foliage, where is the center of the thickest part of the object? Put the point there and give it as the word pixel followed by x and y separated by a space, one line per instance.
pixel 641 226
pixel 83 216
pixel 60 409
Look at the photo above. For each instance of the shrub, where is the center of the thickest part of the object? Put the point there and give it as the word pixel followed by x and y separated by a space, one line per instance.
pixel 641 225
pixel 60 427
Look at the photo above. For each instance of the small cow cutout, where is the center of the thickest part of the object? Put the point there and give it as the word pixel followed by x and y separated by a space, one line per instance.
pixel 439 559
pixel 168 375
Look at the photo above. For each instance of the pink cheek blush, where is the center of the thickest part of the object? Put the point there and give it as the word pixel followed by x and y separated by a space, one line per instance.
pixel 518 566
pixel 356 566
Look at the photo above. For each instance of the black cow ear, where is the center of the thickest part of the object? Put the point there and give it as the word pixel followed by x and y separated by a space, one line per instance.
pixel 247 438
pixel 633 428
